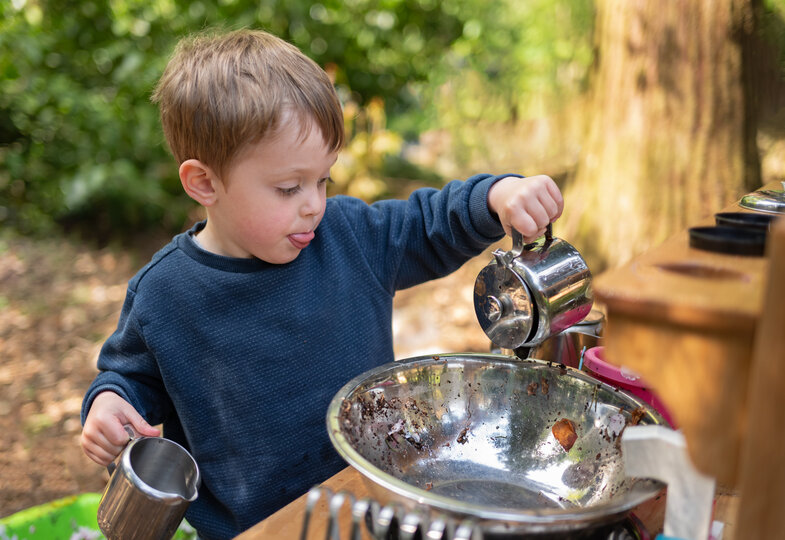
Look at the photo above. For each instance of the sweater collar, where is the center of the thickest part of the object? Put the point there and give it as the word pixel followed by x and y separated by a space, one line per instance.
pixel 190 247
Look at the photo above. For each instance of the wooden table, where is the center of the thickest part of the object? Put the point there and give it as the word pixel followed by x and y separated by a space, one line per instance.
pixel 286 524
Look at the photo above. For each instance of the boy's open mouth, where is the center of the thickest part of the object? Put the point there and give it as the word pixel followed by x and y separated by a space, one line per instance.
pixel 301 240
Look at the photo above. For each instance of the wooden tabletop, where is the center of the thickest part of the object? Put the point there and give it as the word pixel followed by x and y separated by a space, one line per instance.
pixel 286 524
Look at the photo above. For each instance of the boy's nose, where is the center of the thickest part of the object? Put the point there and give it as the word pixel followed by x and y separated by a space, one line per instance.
pixel 312 202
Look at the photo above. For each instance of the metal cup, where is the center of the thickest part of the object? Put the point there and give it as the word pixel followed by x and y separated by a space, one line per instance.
pixel 567 347
pixel 149 490
pixel 563 348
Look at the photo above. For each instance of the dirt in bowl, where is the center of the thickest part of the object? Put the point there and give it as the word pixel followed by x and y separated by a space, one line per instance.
pixel 462 436
pixel 564 431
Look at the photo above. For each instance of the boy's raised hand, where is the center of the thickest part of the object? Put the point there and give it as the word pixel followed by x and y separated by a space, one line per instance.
pixel 527 204
pixel 103 435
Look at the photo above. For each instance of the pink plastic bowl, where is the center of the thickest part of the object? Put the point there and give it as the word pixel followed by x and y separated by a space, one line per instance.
pixel 593 361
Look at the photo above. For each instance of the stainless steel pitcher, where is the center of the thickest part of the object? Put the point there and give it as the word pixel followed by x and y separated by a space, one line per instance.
pixel 149 490
pixel 532 291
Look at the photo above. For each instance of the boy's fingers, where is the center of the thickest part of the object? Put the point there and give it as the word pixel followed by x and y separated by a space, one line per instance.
pixel 106 430
pixel 551 206
pixel 551 197
pixel 114 435
pixel 531 222
pixel 555 192
pixel 525 225
pixel 100 456
pixel 99 449
pixel 140 425
pixel 147 430
pixel 95 440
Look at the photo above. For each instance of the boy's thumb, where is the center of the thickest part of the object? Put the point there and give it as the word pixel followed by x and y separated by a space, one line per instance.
pixel 141 426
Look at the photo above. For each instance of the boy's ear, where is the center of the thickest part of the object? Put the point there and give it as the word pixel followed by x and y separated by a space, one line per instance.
pixel 198 181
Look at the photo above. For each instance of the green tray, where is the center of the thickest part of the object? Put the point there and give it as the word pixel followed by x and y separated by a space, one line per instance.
pixel 70 518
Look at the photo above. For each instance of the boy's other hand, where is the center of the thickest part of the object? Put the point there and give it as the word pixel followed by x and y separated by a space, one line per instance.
pixel 103 436
pixel 527 204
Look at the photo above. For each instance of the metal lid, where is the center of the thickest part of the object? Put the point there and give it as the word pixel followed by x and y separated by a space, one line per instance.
pixel 504 306
pixel 765 200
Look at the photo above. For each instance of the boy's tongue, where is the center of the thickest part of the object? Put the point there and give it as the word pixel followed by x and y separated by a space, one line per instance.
pixel 301 240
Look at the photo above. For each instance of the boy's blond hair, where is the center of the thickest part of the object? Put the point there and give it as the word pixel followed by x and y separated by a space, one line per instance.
pixel 220 93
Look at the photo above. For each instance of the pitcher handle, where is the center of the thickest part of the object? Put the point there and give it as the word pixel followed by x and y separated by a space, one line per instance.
pixel 519 247
pixel 132 434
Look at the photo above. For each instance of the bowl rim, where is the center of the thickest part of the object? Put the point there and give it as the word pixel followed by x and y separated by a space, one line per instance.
pixel 642 490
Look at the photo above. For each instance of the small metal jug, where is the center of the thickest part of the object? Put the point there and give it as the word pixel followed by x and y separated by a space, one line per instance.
pixel 149 490
pixel 532 291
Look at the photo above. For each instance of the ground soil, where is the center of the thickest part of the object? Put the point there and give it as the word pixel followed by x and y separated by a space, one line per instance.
pixel 59 300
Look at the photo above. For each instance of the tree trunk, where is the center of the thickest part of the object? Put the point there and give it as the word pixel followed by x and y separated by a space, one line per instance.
pixel 669 133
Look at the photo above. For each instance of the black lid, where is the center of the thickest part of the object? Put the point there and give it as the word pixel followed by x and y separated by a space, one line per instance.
pixel 730 240
pixel 749 220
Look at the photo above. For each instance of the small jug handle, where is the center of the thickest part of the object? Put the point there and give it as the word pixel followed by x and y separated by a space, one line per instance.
pixel 519 247
pixel 132 434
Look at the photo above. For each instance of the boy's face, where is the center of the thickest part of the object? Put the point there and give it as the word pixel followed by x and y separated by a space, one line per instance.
pixel 272 197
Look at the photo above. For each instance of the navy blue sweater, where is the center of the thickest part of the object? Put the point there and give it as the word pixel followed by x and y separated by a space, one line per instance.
pixel 239 358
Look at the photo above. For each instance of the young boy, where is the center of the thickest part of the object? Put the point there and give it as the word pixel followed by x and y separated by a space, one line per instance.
pixel 238 333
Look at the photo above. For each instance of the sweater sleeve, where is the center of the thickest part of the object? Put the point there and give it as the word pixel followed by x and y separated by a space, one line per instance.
pixel 429 235
pixel 128 368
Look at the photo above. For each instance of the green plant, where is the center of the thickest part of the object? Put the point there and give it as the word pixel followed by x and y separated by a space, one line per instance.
pixel 80 142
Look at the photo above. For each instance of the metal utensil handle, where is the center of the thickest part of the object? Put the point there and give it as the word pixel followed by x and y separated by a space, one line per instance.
pixel 518 246
pixel 334 506
pixel 410 526
pixel 384 522
pixel 388 521
pixel 132 434
pixel 363 510
pixel 314 494
pixel 468 530
pixel 440 529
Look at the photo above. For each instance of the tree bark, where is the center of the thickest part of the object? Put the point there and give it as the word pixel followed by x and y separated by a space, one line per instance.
pixel 669 134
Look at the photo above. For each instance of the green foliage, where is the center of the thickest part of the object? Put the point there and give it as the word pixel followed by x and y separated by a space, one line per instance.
pixel 79 136
pixel 540 48
pixel 773 26
pixel 81 142
pixel 79 139
pixel 518 61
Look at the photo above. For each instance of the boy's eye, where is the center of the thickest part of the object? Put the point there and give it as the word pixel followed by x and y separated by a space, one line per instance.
pixel 289 191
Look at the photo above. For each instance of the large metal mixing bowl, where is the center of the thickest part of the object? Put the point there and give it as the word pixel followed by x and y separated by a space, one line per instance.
pixel 471 435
